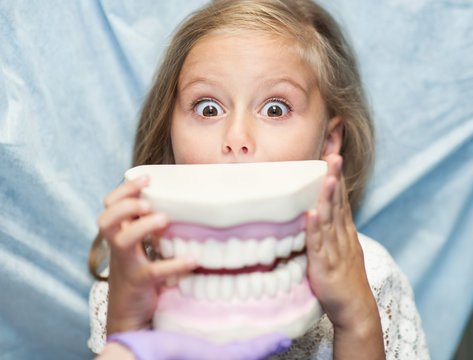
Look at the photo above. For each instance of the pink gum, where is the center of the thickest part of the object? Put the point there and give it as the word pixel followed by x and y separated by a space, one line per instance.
pixel 255 230
pixel 281 309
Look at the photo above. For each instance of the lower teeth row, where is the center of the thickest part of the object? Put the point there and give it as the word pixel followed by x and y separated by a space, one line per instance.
pixel 243 286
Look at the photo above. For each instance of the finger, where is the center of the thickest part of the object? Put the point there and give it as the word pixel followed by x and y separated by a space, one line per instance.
pixel 135 231
pixel 340 220
pixel 334 169
pixel 338 204
pixel 158 271
pixel 341 214
pixel 109 221
pixel 128 189
pixel 314 241
pixel 327 227
pixel 346 201
pixel 324 204
pixel 334 165
pixel 349 227
pixel 334 162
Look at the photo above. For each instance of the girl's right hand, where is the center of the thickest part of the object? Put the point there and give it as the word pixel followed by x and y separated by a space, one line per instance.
pixel 134 280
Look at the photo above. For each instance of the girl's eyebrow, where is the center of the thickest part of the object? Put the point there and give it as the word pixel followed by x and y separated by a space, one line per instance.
pixel 198 80
pixel 266 83
pixel 289 81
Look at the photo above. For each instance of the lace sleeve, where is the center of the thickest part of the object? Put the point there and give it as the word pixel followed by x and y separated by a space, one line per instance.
pixel 402 328
pixel 98 300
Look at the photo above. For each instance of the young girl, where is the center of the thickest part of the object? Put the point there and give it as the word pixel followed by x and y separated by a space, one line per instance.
pixel 251 81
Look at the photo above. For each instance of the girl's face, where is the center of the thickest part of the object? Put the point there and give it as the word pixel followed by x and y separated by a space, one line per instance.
pixel 249 99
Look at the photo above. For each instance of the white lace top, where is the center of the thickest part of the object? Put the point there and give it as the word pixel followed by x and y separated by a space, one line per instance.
pixel 403 335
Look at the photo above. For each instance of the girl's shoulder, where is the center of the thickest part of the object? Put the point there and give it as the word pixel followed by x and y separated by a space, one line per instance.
pixel 379 264
pixel 389 284
pixel 373 250
pixel 402 326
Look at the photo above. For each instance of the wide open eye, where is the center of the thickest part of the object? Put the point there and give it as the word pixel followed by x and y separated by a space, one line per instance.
pixel 208 108
pixel 275 108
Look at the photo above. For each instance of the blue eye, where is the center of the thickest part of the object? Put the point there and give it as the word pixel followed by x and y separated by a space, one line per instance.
pixel 208 108
pixel 275 109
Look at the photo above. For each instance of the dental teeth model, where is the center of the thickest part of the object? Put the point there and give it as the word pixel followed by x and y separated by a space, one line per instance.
pixel 245 226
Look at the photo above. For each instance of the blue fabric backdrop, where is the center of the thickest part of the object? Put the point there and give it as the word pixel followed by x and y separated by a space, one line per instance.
pixel 73 76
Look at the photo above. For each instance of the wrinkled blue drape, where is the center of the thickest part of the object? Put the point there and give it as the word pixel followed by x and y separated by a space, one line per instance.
pixel 72 80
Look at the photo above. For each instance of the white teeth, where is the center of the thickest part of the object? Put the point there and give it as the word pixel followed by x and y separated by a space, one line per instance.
pixel 199 288
pixel 233 253
pixel 212 254
pixel 284 247
pixel 195 249
pixel 256 280
pixel 233 250
pixel 267 251
pixel 302 261
pixel 283 279
pixel 295 270
pixel 250 252
pixel 226 287
pixel 166 248
pixel 270 284
pixel 180 247
pixel 212 287
pixel 244 286
pixel 299 241
pixel 185 284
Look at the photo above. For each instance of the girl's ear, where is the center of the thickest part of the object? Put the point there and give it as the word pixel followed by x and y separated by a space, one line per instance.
pixel 333 137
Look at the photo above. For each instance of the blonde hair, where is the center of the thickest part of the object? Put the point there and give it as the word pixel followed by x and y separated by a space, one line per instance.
pixel 321 43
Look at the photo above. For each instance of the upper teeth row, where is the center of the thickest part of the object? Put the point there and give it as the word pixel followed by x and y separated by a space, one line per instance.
pixel 243 286
pixel 233 253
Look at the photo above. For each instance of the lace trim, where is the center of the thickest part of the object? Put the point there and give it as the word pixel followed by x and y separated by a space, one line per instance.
pixel 403 335
pixel 98 300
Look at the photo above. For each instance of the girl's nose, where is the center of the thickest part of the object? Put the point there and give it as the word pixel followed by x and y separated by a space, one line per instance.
pixel 239 138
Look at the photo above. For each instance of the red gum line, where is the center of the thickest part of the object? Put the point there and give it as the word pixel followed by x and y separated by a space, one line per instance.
pixel 244 270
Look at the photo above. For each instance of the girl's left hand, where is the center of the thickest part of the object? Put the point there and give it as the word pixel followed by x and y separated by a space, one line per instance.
pixel 336 267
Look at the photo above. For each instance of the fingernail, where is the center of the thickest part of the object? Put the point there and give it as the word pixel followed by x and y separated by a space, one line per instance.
pixel 144 205
pixel 339 163
pixel 191 262
pixel 313 216
pixel 332 181
pixel 161 219
pixel 143 179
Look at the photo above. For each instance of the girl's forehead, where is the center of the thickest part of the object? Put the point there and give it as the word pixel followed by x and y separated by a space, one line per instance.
pixel 245 45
